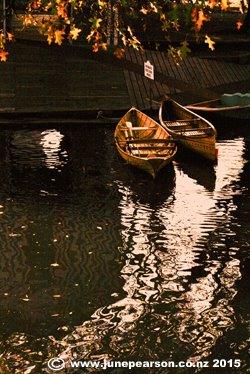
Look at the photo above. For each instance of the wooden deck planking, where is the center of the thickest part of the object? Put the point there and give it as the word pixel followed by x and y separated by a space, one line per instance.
pixel 166 67
pixel 190 72
pixel 143 82
pixel 158 85
pixel 193 72
pixel 201 71
pixel 235 73
pixel 220 73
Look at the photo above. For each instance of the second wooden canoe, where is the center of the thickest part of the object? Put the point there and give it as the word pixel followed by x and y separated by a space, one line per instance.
pixel 143 143
pixel 191 130
pixel 229 106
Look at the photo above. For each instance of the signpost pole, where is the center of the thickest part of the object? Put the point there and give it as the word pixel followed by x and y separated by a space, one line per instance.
pixel 149 73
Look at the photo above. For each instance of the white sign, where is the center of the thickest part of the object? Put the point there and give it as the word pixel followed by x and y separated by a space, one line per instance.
pixel 149 70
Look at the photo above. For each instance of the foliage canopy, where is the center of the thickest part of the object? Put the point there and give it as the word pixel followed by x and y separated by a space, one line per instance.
pixel 120 23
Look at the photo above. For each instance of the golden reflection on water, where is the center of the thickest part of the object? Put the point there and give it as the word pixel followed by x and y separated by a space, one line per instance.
pixel 162 249
pixel 51 142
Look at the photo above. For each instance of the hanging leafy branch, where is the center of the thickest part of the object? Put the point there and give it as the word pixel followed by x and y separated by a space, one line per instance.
pixel 105 23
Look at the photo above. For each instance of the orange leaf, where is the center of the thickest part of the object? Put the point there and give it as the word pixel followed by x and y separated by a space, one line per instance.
pixel 59 36
pixel 3 55
pixel 212 3
pixel 61 11
pixel 201 18
pixel 10 37
pixel 224 4
pixel 95 47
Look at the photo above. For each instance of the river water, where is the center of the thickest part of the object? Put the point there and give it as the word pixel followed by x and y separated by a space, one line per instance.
pixel 96 252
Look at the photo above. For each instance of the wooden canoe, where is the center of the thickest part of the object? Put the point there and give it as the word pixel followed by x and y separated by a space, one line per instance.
pixel 143 143
pixel 235 106
pixel 191 130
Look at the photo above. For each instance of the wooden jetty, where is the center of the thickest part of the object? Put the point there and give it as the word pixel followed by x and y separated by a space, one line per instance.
pixel 198 76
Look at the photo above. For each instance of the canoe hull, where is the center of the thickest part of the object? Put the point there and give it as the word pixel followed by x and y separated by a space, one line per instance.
pixel 203 146
pixel 216 108
pixel 152 162
pixel 193 137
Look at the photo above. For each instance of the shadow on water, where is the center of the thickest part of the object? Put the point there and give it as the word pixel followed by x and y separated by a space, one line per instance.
pixel 114 264
pixel 198 169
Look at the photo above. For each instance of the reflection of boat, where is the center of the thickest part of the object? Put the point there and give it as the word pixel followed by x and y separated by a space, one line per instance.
pixel 193 131
pixel 194 169
pixel 146 191
pixel 231 106
pixel 143 143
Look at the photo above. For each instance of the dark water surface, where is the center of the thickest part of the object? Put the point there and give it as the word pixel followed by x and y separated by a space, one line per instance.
pixel 94 251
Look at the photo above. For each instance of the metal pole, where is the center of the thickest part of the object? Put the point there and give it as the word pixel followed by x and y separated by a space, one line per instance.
pixel 4 20
pixel 150 92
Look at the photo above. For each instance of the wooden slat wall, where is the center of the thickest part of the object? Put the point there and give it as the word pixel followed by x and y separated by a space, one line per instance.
pixel 218 76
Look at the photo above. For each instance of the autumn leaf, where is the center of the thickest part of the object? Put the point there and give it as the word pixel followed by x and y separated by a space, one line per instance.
pixel 10 37
pixel 200 19
pixel 3 55
pixel 96 22
pixel 210 42
pixel 153 7
pixel 184 49
pixel 143 10
pixel 212 3
pixel 95 47
pixel 239 24
pixel 61 11
pixel 104 46
pixel 101 3
pixel 74 32
pixel 59 36
pixel 50 35
pixel 224 4
pixel 28 20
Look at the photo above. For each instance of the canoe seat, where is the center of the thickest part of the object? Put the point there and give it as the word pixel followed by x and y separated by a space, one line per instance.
pixel 192 133
pixel 152 147
pixel 141 141
pixel 129 126
pixel 199 130
pixel 181 123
